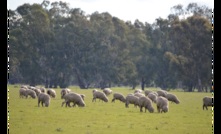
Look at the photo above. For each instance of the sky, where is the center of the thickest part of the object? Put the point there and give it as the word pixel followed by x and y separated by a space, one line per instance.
pixel 127 10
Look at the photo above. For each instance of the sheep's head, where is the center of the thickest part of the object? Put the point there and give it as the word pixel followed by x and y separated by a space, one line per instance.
pixel 150 109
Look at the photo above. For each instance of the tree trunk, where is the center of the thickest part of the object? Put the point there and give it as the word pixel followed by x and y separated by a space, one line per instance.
pixel 142 83
pixel 80 82
pixel 190 87
pixel 199 85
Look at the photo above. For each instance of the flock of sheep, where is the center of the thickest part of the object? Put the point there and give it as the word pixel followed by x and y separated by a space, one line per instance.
pixel 143 100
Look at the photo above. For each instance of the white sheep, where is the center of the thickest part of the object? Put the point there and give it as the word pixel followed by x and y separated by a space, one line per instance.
pixel 138 91
pixel 172 98
pixel 162 104
pixel 152 96
pixel 64 91
pixel 138 94
pixel 131 99
pixel 22 92
pixel 118 96
pixel 162 93
pixel 51 92
pixel 30 93
pixel 146 92
pixel 75 98
pixel 146 103
pixel 207 101
pixel 99 95
pixel 107 91
pixel 37 91
pixel 43 98
pixel 43 90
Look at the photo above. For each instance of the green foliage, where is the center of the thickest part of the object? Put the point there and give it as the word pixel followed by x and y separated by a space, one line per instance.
pixel 56 45
pixel 99 117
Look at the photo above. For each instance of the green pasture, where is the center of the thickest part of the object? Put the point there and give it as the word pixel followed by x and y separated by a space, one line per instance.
pixel 188 117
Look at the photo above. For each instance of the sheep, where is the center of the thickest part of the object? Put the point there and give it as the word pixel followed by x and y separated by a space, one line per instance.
pixel 146 103
pixel 31 93
pixel 107 91
pixel 51 93
pixel 162 104
pixel 138 91
pixel 43 98
pixel 94 90
pixel 64 91
pixel 118 96
pixel 82 96
pixel 207 101
pixel 152 96
pixel 37 91
pixel 162 93
pixel 22 92
pixel 138 94
pixel 146 92
pixel 172 98
pixel 75 98
pixel 24 86
pixel 43 90
pixel 99 95
pixel 131 99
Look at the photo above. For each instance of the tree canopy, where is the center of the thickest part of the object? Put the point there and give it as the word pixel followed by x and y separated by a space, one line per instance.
pixel 56 45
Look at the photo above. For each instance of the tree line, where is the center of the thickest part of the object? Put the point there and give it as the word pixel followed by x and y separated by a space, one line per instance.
pixel 56 45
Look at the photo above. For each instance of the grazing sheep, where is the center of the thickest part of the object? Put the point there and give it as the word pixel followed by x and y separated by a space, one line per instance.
pixel 207 101
pixel 94 90
pixel 43 90
pixel 24 86
pixel 138 94
pixel 51 92
pixel 82 96
pixel 131 99
pixel 155 93
pixel 23 93
pixel 138 91
pixel 162 93
pixel 146 103
pixel 162 104
pixel 107 91
pixel 75 98
pixel 118 96
pixel 172 98
pixel 31 93
pixel 146 92
pixel 43 98
pixel 37 91
pixel 152 96
pixel 64 91
pixel 99 95
pixel 130 94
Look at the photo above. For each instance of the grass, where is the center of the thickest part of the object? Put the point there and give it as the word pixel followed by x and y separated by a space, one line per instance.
pixel 107 118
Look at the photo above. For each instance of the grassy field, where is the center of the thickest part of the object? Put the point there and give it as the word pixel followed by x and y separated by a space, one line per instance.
pixel 107 118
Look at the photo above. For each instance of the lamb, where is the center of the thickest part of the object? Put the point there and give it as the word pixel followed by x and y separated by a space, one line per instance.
pixel 51 93
pixel 107 91
pixel 152 96
pixel 138 91
pixel 64 91
pixel 162 93
pixel 118 96
pixel 146 92
pixel 22 92
pixel 138 94
pixel 99 95
pixel 131 99
pixel 172 98
pixel 146 103
pixel 75 98
pixel 43 98
pixel 162 104
pixel 207 101
pixel 31 93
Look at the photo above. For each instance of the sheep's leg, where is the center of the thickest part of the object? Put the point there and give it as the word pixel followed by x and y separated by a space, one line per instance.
pixel 158 109
pixel 38 103
pixel 42 103
pixel 126 105
pixel 141 110
pixel 206 108
pixel 203 106
pixel 113 100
